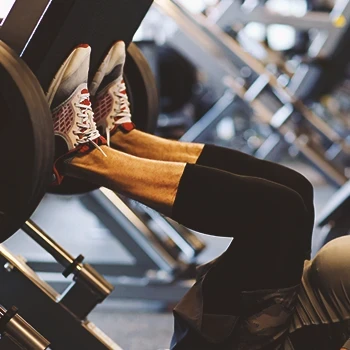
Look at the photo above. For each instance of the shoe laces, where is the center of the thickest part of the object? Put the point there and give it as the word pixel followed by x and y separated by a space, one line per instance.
pixel 122 113
pixel 87 128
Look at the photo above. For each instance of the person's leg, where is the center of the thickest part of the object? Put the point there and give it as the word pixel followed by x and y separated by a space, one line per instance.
pixel 266 219
pixel 153 183
pixel 148 146
pixel 144 145
pixel 113 117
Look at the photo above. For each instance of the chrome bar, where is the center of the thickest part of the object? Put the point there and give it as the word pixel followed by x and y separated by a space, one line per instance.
pixel 46 242
pixel 22 333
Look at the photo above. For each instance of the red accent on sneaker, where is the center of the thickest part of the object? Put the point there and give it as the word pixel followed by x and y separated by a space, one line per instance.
pixel 85 91
pixel 86 102
pixel 127 127
pixel 81 149
pixel 85 46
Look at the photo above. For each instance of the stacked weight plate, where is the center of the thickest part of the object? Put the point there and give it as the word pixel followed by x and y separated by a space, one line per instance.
pixel 26 142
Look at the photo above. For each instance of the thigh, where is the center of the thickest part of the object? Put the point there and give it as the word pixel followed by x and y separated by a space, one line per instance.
pixel 219 203
pixel 266 220
pixel 240 163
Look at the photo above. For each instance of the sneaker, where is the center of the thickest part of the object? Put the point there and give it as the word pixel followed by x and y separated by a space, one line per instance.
pixel 73 118
pixel 111 104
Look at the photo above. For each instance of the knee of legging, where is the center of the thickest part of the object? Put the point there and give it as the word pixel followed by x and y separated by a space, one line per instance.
pixel 304 187
pixel 292 212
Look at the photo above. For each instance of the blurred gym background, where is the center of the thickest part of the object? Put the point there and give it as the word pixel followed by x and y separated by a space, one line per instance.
pixel 270 78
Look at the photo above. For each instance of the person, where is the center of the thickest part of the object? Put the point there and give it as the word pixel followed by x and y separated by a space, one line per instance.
pixel 263 292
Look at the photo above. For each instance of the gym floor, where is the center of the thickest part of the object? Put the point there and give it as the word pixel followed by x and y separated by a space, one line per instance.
pixel 134 325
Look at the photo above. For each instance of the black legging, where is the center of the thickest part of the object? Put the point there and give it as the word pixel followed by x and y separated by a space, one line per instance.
pixel 266 207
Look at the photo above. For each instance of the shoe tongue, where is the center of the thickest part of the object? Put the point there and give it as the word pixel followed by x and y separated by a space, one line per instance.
pixel 115 74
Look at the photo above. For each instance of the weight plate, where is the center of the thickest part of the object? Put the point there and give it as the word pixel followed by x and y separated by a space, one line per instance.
pixel 143 95
pixel 26 142
pixel 142 88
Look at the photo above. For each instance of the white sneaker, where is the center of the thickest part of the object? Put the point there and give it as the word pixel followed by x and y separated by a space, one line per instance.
pixel 112 107
pixel 73 118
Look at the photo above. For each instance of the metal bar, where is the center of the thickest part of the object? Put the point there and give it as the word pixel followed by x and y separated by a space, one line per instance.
pixel 107 269
pixel 268 146
pixel 256 88
pixel 211 117
pixel 186 248
pixel 39 236
pixel 234 13
pixel 327 42
pixel 136 229
pixel 333 204
pixel 25 335
pixel 321 163
pixel 21 23
pixel 135 288
pixel 72 334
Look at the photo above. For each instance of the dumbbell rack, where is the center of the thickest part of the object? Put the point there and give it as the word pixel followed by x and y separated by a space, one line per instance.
pixel 331 26
pixel 329 44
pixel 62 318
pixel 271 103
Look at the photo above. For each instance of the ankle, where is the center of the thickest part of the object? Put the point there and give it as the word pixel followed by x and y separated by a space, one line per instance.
pixel 124 141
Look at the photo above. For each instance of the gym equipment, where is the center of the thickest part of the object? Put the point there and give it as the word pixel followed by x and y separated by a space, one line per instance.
pixel 67 310
pixel 26 128
pixel 331 26
pixel 153 259
pixel 327 54
pixel 16 333
pixel 48 33
pixel 142 90
pixel 289 120
pixel 26 136
pixel 177 78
